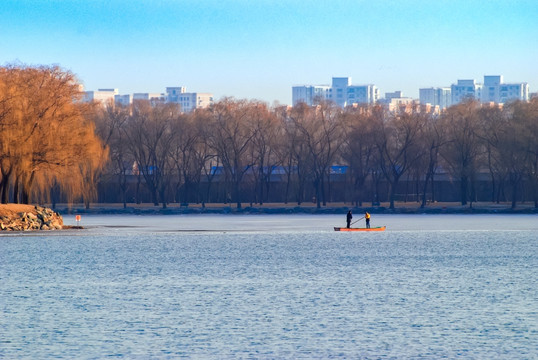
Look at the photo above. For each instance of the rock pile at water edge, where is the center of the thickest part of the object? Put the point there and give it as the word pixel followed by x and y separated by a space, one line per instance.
pixel 38 219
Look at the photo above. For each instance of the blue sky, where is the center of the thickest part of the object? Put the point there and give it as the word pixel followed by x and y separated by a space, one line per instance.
pixel 259 49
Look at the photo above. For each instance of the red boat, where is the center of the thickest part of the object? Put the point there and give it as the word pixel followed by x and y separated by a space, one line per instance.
pixel 379 228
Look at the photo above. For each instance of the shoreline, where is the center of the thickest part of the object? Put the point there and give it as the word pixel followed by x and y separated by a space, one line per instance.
pixel 290 209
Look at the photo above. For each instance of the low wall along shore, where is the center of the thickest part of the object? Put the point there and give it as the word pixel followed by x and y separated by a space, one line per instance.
pixel 15 217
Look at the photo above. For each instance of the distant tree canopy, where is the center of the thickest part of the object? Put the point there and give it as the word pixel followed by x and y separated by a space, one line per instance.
pixel 46 140
pixel 245 151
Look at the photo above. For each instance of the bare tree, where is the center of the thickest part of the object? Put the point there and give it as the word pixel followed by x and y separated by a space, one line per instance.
pixel 396 140
pixel 230 138
pixel 493 126
pixel 188 152
pixel 111 122
pixel 519 147
pixel 149 139
pixel 294 154
pixel 320 129
pixel 464 146
pixel 358 148
pixel 431 138
pixel 264 148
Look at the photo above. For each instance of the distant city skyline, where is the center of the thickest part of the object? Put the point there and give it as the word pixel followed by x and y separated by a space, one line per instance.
pixel 259 50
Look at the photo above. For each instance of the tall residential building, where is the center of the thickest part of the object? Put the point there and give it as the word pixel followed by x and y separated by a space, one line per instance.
pixel 465 89
pixel 496 90
pixel 172 93
pixel 341 92
pixel 492 90
pixel 440 97
pixel 310 94
pixel 362 94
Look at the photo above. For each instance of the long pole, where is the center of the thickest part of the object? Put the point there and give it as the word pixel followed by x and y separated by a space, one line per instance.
pixel 357 220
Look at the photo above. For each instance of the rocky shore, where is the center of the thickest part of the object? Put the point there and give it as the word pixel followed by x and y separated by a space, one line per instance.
pixel 16 217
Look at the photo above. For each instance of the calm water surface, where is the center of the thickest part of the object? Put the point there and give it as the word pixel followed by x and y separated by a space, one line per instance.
pixel 272 286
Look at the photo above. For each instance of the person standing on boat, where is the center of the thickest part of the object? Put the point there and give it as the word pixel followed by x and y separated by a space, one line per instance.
pixel 348 219
pixel 367 217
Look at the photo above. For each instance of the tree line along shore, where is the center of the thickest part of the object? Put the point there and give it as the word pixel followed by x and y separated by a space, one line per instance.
pixel 56 149
pixel 305 208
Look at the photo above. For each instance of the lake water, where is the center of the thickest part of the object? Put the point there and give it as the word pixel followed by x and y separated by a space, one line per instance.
pixel 272 286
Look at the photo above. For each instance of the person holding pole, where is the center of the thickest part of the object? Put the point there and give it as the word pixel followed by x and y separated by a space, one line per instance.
pixel 367 217
pixel 348 218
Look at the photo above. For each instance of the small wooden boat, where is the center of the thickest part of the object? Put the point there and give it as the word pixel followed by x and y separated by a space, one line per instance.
pixel 379 228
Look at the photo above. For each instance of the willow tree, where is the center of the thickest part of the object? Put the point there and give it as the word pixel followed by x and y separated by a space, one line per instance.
pixel 45 135
pixel 7 143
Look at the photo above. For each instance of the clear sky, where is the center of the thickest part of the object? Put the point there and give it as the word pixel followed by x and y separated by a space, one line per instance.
pixel 259 49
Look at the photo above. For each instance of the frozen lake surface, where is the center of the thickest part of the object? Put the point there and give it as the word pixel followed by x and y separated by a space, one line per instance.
pixel 272 286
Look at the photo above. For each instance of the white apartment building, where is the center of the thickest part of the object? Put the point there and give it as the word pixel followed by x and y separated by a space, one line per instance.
pixel 154 98
pixel 440 97
pixel 310 94
pixel 465 89
pixel 101 95
pixel 339 89
pixel 188 101
pixel 396 101
pixel 495 90
pixel 362 94
pixel 172 93
pixel 492 90
pixel 341 92
pixel 124 100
